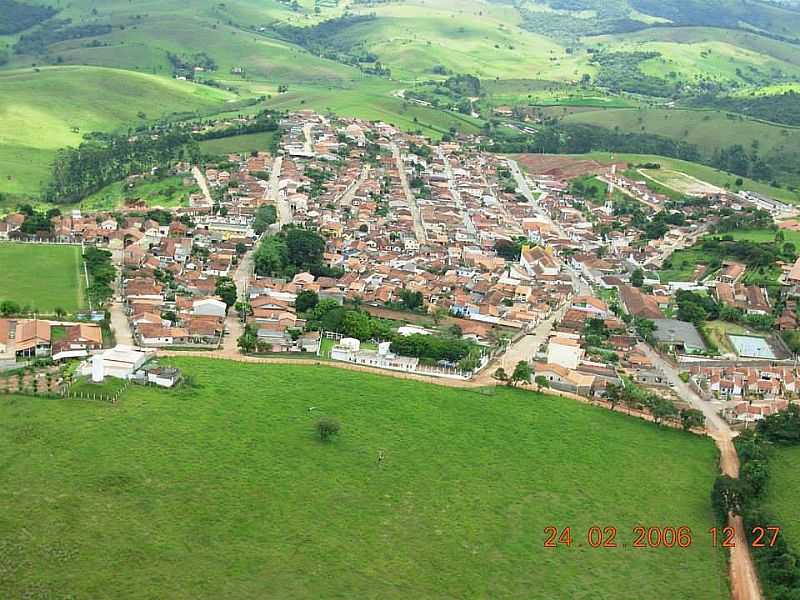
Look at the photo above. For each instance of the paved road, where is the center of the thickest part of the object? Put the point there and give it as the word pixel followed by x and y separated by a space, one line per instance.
pixel 347 195
pixel 453 187
pixel 273 194
pixel 744 578
pixel 419 228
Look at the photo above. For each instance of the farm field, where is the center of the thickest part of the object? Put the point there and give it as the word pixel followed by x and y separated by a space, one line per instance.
pixel 43 277
pixel 783 491
pixel 50 109
pixel 222 489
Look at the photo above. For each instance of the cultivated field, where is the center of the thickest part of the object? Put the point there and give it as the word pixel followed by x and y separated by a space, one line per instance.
pixel 783 492
pixel 224 490
pixel 42 277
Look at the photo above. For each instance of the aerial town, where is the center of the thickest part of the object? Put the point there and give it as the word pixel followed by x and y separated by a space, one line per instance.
pixel 437 260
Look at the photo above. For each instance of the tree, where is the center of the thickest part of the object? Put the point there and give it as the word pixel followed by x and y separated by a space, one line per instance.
pixel 305 248
pixel 691 418
pixel 439 313
pixel 226 289
pixel 9 308
pixel 264 217
pixel 411 300
pixel 306 300
pixel 248 340
pixel 60 312
pixel 357 324
pixel 327 428
pixel 728 495
pixel 521 374
pixel 500 374
pixel 541 382
pixel 637 278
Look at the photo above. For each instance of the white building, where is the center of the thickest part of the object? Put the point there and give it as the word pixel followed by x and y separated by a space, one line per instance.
pixel 564 352
pixel 119 362
pixel 209 307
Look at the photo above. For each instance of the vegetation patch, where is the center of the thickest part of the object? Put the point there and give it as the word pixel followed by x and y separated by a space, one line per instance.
pixel 150 507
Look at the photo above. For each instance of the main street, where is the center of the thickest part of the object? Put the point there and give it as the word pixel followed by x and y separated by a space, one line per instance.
pixel 419 228
pixel 273 194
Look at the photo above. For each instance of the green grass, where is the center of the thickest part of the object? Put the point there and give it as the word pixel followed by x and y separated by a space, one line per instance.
pixel 43 277
pixel 707 129
pixel 783 492
pixel 702 172
pixel 684 264
pixel 765 235
pixel 373 100
pixel 169 192
pixel 47 110
pixel 224 490
pixel 238 143
pixel 717 332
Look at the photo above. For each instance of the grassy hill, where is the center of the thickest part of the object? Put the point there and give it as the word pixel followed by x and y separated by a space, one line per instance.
pixel 53 107
pixel 224 490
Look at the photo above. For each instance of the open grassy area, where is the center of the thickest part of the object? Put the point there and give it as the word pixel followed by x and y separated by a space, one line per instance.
pixel 684 265
pixel 52 108
pixel 702 172
pixel 783 492
pixel 165 193
pixel 224 490
pixel 765 235
pixel 707 129
pixel 717 332
pixel 239 143
pixel 43 277
pixel 374 100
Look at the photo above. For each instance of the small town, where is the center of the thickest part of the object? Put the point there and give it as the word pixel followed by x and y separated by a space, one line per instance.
pixel 357 243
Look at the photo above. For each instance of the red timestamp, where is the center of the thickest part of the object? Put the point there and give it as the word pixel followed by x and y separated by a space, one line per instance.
pixel 641 536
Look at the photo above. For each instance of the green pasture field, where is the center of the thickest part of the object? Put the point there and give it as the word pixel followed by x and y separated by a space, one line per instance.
pixel 43 277
pixel 239 143
pixel 373 100
pixel 707 129
pixel 547 93
pixel 702 172
pixel 52 108
pixel 223 489
pixel 765 235
pixel 782 492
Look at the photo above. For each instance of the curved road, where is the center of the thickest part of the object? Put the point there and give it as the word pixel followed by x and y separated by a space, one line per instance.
pixel 744 578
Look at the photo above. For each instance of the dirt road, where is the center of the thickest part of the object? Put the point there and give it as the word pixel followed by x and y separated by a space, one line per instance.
pixel 743 575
